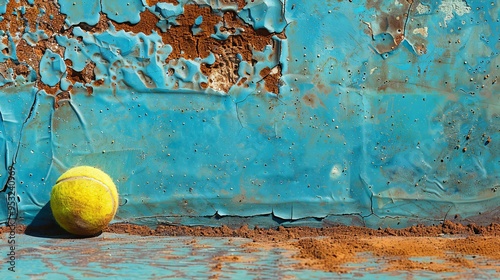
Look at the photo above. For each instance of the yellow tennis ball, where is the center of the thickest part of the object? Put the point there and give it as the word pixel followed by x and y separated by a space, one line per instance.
pixel 84 200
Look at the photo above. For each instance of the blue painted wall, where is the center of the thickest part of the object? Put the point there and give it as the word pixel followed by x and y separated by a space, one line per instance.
pixel 388 114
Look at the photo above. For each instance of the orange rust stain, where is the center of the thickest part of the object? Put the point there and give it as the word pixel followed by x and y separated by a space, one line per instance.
pixel 264 72
pixel 272 80
pixel 311 100
pixel 48 89
pixel 154 2
pixel 85 76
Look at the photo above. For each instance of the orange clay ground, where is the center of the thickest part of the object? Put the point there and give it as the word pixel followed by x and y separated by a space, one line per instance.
pixel 331 248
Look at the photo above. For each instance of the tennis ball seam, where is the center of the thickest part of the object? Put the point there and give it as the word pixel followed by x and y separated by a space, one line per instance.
pixel 94 180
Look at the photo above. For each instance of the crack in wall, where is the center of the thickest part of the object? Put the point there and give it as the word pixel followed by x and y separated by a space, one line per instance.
pixel 407 19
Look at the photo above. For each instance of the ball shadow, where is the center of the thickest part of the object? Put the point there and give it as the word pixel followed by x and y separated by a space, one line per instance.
pixel 45 226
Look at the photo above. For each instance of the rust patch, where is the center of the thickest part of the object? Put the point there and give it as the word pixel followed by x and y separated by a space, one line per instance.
pixel 52 21
pixel 154 2
pixel 373 4
pixel 272 79
pixel 264 72
pixel 18 69
pixel 13 23
pixel 420 48
pixel 99 82
pixel 101 26
pixel 86 76
pixel 242 81
pixel 311 100
pixel 146 25
pixel 241 3
pixel 48 89
pixel 21 70
pixel 90 90
pixel 392 23
pixel 397 86
pixel 63 95
pixel 29 55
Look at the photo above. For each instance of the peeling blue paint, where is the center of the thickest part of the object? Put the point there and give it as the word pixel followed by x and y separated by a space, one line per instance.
pixel 32 38
pixel 265 14
pixel 81 11
pixel 386 115
pixel 3 6
pixel 8 49
pixel 120 11
pixel 52 68
pixel 196 26
pixel 216 5
pixel 168 10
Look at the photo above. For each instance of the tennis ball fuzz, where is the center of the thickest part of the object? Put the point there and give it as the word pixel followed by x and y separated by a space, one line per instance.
pixel 84 200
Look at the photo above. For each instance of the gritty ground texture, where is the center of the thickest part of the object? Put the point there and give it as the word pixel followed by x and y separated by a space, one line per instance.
pixel 449 247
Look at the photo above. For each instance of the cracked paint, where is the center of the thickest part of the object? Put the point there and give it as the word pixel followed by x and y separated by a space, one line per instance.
pixel 264 112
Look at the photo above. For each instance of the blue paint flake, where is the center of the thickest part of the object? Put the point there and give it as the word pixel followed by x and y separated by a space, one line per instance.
pixel 123 11
pixel 32 38
pixel 3 6
pixel 52 67
pixel 168 10
pixel 81 11
pixel 265 14
pixel 195 29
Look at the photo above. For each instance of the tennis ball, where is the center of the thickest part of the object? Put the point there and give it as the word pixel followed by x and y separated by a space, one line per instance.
pixel 84 200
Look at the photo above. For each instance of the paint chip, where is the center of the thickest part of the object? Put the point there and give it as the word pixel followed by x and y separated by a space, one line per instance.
pixel 448 7
pixel 422 31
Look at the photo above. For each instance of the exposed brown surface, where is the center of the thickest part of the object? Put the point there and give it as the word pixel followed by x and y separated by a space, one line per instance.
pixel 271 78
pixel 87 75
pixel 153 2
pixel 392 22
pixel 12 23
